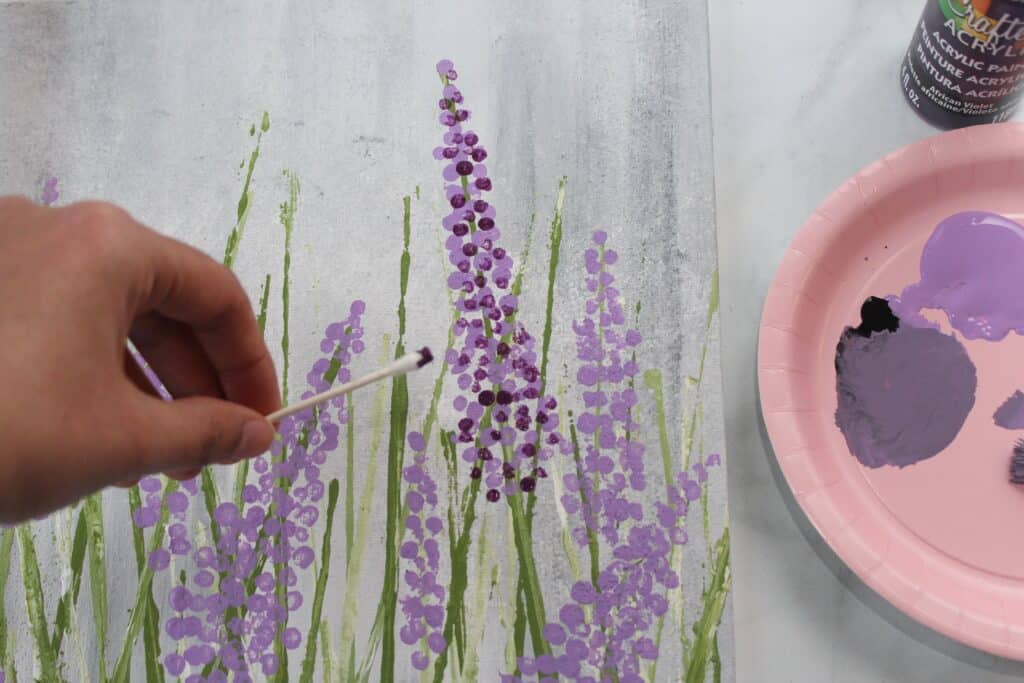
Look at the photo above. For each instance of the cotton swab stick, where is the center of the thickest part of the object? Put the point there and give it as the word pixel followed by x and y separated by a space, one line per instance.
pixel 405 364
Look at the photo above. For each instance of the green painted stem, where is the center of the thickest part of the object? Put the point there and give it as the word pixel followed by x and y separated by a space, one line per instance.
pixel 554 250
pixel 245 201
pixel 211 494
pixel 211 498
pixel 93 510
pixel 242 468
pixel 287 219
pixel 6 546
pixel 454 618
pixel 533 596
pixel 592 544
pixel 350 607
pixel 396 455
pixel 350 478
pixel 62 621
pixel 475 630
pixel 122 670
pixel 714 597
pixel 151 618
pixel 34 604
pixel 653 382
pixel 309 661
pixel 288 210
pixel 326 656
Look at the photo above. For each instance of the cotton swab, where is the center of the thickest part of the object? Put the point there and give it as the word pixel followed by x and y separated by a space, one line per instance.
pixel 405 364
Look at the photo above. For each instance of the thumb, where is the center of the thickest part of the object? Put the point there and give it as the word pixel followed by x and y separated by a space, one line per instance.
pixel 193 432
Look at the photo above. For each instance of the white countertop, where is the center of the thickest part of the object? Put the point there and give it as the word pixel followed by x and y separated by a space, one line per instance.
pixel 804 95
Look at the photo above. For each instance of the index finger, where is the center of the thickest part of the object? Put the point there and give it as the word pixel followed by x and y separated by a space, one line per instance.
pixel 186 285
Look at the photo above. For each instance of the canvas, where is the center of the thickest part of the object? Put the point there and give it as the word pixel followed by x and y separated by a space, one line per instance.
pixel 526 188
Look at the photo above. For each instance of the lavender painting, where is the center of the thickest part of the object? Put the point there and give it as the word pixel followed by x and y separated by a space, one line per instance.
pixel 547 500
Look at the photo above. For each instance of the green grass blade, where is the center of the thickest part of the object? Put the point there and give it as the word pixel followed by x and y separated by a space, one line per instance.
pixel 486 582
pixel 309 662
pixel 151 616
pixel 554 250
pixel 350 609
pixel 373 644
pixel 242 468
pixel 326 654
pixel 653 382
pixel 245 201
pixel 713 299
pixel 211 498
pixel 6 546
pixel 261 319
pixel 454 618
pixel 592 545
pixel 93 509
pixel 62 620
pixel 533 596
pixel 350 477
pixel 287 218
pixel 396 455
pixel 34 604
pixel 705 630
pixel 122 670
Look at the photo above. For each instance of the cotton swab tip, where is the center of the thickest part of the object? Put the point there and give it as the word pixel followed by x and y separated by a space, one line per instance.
pixel 407 363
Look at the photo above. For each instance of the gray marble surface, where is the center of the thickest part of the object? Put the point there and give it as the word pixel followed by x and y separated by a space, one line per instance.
pixel 802 99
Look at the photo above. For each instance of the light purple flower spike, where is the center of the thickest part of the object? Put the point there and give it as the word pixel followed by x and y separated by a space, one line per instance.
pixel 227 610
pixel 604 493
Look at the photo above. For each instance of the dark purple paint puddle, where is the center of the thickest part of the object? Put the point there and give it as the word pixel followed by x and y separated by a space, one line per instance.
pixel 905 388
pixel 1010 415
pixel 904 391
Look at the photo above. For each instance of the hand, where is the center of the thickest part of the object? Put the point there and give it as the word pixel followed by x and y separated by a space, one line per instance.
pixel 76 413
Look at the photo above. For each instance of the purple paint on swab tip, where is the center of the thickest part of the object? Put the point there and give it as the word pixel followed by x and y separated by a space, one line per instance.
pixel 1017 464
pixel 425 357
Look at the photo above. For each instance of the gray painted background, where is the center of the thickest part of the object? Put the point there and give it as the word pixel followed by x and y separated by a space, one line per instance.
pixel 149 105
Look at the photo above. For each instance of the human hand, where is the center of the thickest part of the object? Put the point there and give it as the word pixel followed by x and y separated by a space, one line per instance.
pixel 76 412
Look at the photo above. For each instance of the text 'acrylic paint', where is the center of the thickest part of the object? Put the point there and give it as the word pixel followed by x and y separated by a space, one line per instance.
pixel 965 63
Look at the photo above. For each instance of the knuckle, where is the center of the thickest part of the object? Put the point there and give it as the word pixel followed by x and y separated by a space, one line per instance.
pixel 98 224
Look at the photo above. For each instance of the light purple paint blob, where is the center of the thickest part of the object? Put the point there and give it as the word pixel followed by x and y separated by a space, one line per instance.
pixel 903 395
pixel 972 268
pixel 1010 415
pixel 50 194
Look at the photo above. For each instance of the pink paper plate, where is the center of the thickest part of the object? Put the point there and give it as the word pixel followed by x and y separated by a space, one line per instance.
pixel 942 540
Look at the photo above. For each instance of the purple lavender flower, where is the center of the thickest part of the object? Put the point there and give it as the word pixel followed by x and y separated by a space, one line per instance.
pixel 613 464
pixel 507 428
pixel 423 605
pixel 229 610
pixel 49 194
pixel 629 593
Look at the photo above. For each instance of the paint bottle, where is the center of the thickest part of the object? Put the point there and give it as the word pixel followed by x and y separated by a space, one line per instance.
pixel 965 63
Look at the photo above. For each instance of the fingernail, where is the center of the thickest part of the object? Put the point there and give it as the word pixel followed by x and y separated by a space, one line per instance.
pixel 256 435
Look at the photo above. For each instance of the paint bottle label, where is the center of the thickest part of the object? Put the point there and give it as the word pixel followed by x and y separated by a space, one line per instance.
pixel 965 63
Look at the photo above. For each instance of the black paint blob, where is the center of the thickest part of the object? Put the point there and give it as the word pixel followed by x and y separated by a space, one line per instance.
pixel 876 316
